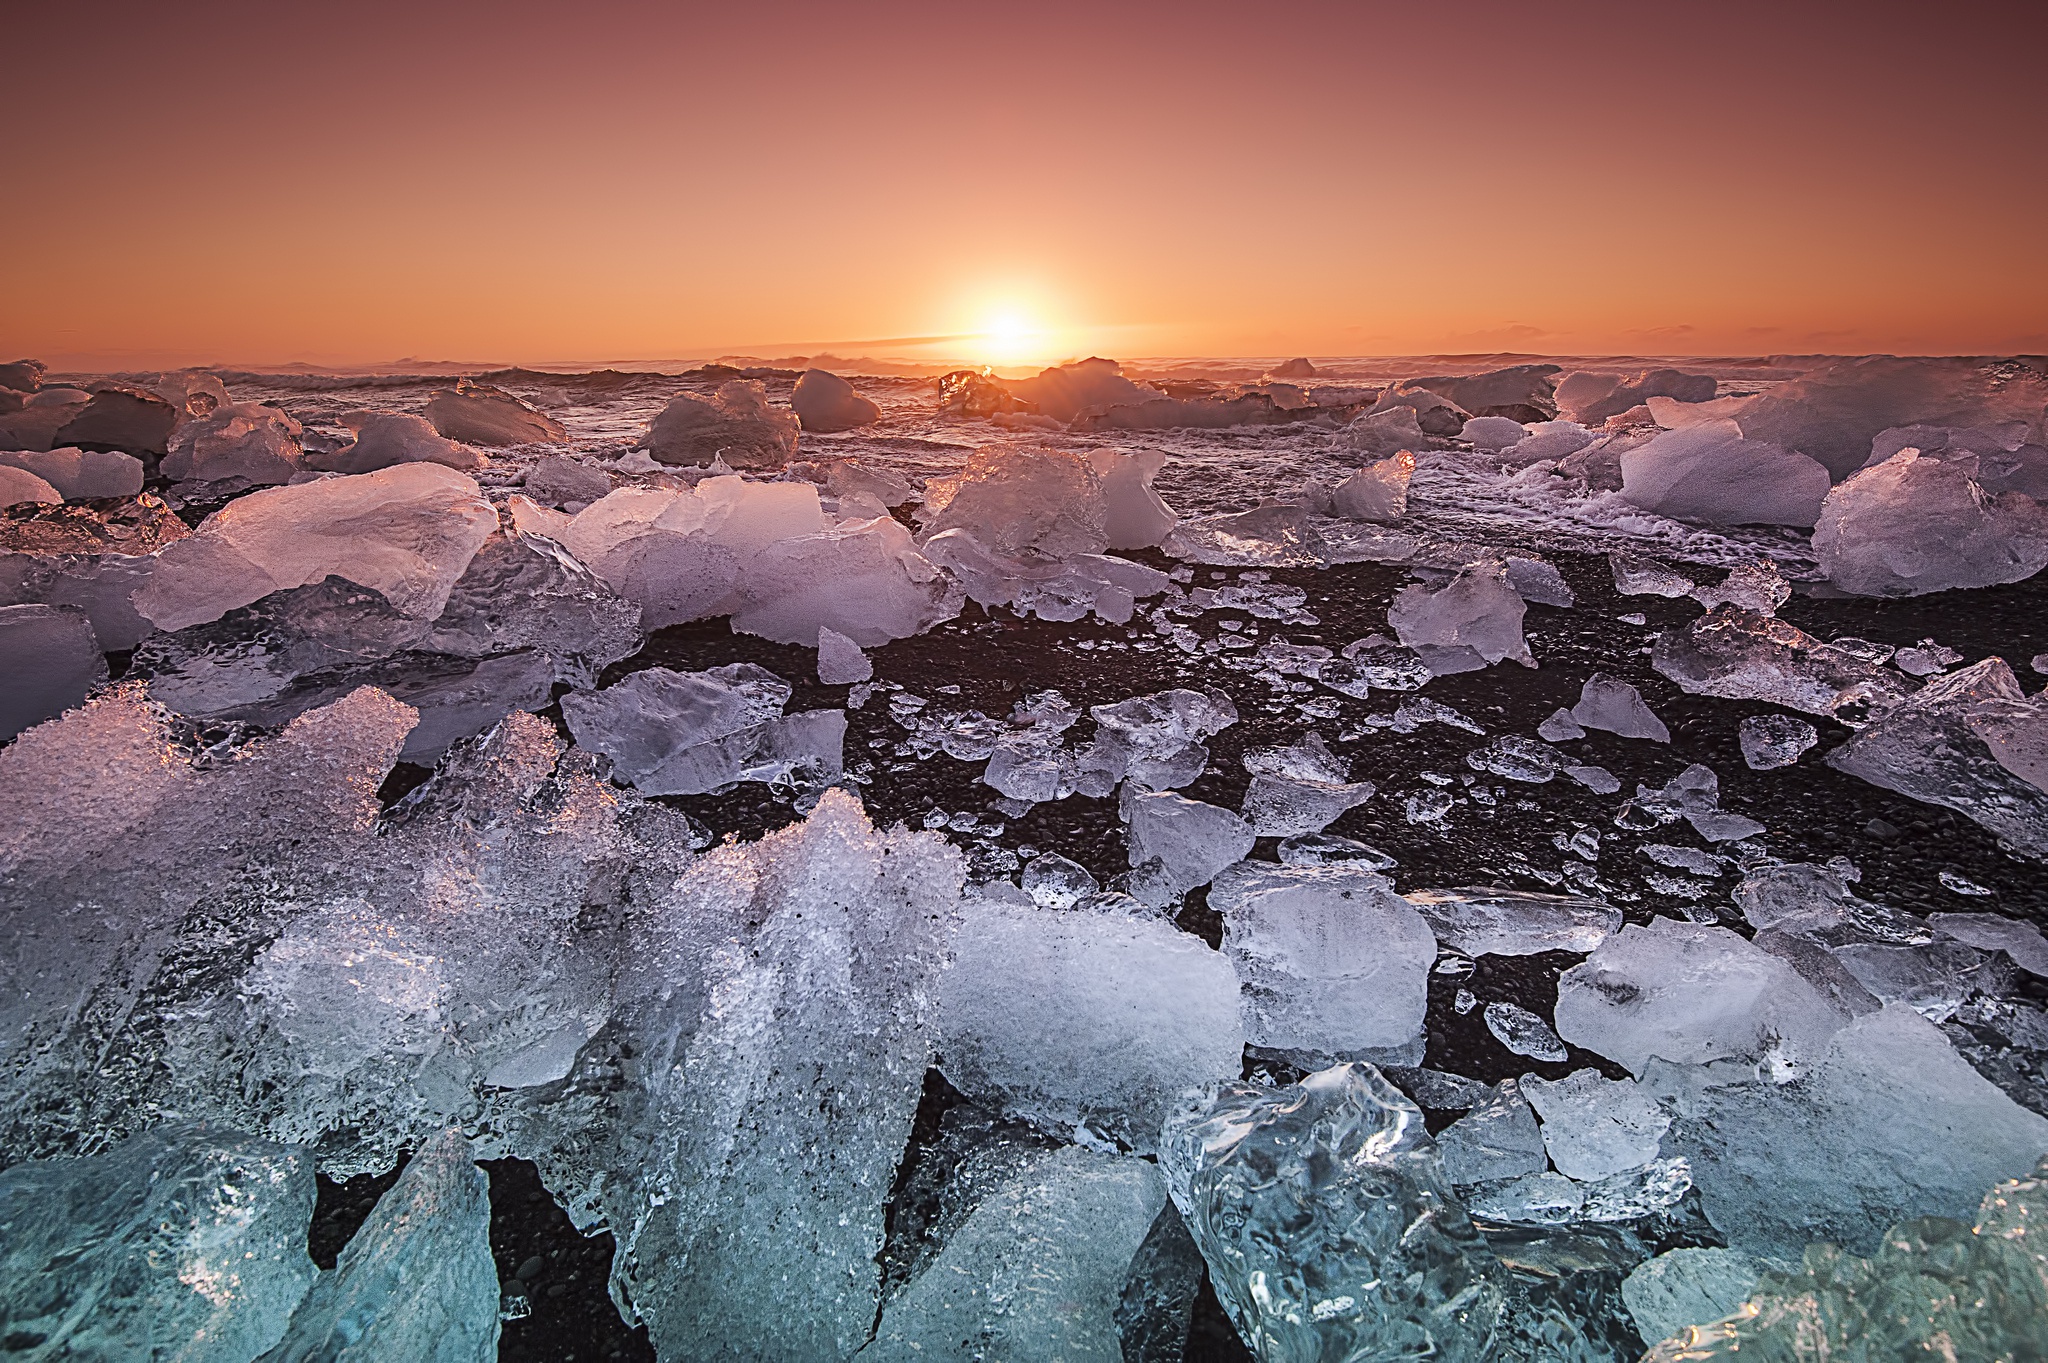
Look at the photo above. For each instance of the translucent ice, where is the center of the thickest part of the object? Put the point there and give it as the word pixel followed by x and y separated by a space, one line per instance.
pixel 1911 526
pixel 1176 844
pixel 1995 932
pixel 1277 536
pixel 478 414
pixel 1035 1274
pixel 49 661
pixel 1377 492
pixel 1593 397
pixel 1334 963
pixel 1483 921
pixel 1737 654
pixel 75 473
pixel 1299 789
pixel 1611 704
pixel 1709 473
pixel 1517 759
pixel 864 580
pixel 1636 576
pixel 387 438
pixel 823 401
pixel 1547 440
pixel 190 1238
pixel 1064 391
pixel 1595 1128
pixel 1523 1032
pixel 1057 882
pixel 1156 740
pixel 1773 741
pixel 735 424
pixel 407 532
pixel 1687 1287
pixel 1467 623
pixel 1385 433
pixel 1078 1017
pixel 840 660
pixel 1326 1222
pixel 1691 994
pixel 1957 743
pixel 246 442
pixel 1051 588
pixel 684 733
pixel 1497 1139
pixel 1758 587
pixel 1014 499
pixel 849 476
pixel 417 1281
pixel 1492 433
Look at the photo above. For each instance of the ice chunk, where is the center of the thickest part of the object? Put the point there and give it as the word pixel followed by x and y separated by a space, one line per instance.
pixel 1065 391
pixel 240 442
pixel 18 487
pixel 1377 492
pixel 1057 882
pixel 1483 921
pixel 75 473
pixel 1560 727
pixel 1962 742
pixel 1595 1128
pixel 1387 431
pixel 1433 413
pixel 1334 963
pixel 1493 433
pixel 417 1281
pixel 1299 789
pixel 849 476
pixel 120 418
pixel 735 424
pixel 823 401
pixel 1035 1274
pixel 1693 795
pixel 1524 1033
pixel 1083 1018
pixel 1014 499
pixel 1177 844
pixel 190 1236
pixel 1547 440
pixel 49 661
pixel 840 660
pixel 1544 1199
pixel 522 591
pixel 1739 655
pixel 99 584
pixel 1539 582
pixel 1637 576
pixel 1326 1222
pixel 1758 587
pixel 1690 994
pixel 25 376
pixel 1134 516
pixel 406 532
pixel 1926 660
pixel 1053 589
pixel 1611 704
pixel 1773 741
pixel 387 438
pixel 1470 622
pixel 1708 472
pixel 1326 849
pixel 2020 940
pixel 1156 740
pixel 864 580
pixel 1277 536
pixel 1599 780
pixel 1523 392
pixel 685 733
pixel 746 1177
pixel 1593 397
pixel 1517 758
pixel 1911 526
pixel 1497 1139
pixel 35 424
pixel 1687 1287
pixel 1891 1123
pixel 1833 413
pixel 479 414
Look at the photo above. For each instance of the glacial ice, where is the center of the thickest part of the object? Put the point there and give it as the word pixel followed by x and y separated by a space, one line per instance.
pixel 49 661
pixel 848 476
pixel 1050 588
pixel 840 660
pixel 1070 1017
pixel 1377 492
pixel 1913 525
pixel 1595 1128
pixel 74 474
pixel 1177 844
pixel 735 425
pixel 475 413
pixel 1687 1287
pixel 825 402
pixel 1710 473
pixel 1472 621
pixel 1757 587
pixel 416 1283
pixel 1591 397
pixel 1035 1273
pixel 19 487
pixel 1637 576
pixel 1967 741
pixel 1691 994
pixel 1387 432
pixel 187 1237
pixel 1277 536
pixel 686 733
pixel 1773 741
pixel 1299 789
pixel 1737 654
pixel 1326 1222
pixel 121 418
pixel 2020 940
pixel 1516 758
pixel 1065 391
pixel 245 442
pixel 1335 964
pixel 406 532
pixel 1484 921
pixel 387 438
pixel 1156 740
pixel 1493 433
pixel 1496 1139
pixel 1613 706
pixel 1013 500
pixel 1547 440
pixel 1523 1032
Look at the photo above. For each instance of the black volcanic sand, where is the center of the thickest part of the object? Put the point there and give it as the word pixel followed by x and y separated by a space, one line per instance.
pixel 1811 813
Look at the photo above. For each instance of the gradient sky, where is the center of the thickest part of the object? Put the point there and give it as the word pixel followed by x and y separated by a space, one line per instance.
pixel 243 183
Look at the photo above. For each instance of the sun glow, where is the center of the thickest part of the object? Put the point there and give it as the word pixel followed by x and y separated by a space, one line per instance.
pixel 1011 336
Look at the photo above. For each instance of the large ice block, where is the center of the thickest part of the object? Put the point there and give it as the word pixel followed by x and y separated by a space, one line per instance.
pixel 246 442
pixel 1709 472
pixel 387 438
pixel 823 401
pixel 1469 622
pixel 1737 654
pixel 1013 499
pixel 479 414
pixel 49 662
pixel 1914 525
pixel 735 424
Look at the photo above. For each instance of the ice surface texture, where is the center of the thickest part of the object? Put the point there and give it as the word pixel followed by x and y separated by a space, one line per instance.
pixel 1483 921
pixel 685 733
pixel 75 473
pixel 49 660
pixel 244 442
pixel 1710 473
pixel 823 401
pixel 1914 525
pixel 735 424
pixel 478 414
pixel 1326 1222
pixel 387 438
pixel 1467 623
pixel 1737 654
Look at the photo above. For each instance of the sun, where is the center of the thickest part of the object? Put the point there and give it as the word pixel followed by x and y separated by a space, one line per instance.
pixel 1011 336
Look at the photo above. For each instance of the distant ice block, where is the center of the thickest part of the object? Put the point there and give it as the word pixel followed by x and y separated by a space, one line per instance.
pixel 1493 433
pixel 1065 391
pixel 244 442
pixel 1889 1124
pixel 1433 413
pixel 187 1235
pixel 1710 473
pixel 25 376
pixel 1071 1017
pixel 1913 525
pixel 1496 1139
pixel 478 414
pixel 1299 789
pixel 1484 921
pixel 1035 1274
pixel 1523 392
pixel 825 402
pixel 19 487
pixel 685 733
pixel 416 1284
pixel 1469 622
pixel 1386 432
pixel 1326 1221
pixel 1739 655
pixel 1030 583
pixel 1691 994
pixel 1134 516
pixel 1595 1128
pixel 1335 964
pixel 840 660
pixel 1612 705
pixel 1377 492
pixel 119 417
pixel 1592 397
pixel 1016 499
pixel 1773 741
pixel 387 438
pixel 735 424
pixel 49 662
pixel 407 532
pixel 1277 536
pixel 1971 741
pixel 76 474
pixel 865 580
pixel 1687 1287
pixel 1176 844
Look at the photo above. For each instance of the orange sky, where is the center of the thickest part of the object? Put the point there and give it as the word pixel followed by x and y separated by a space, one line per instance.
pixel 558 182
